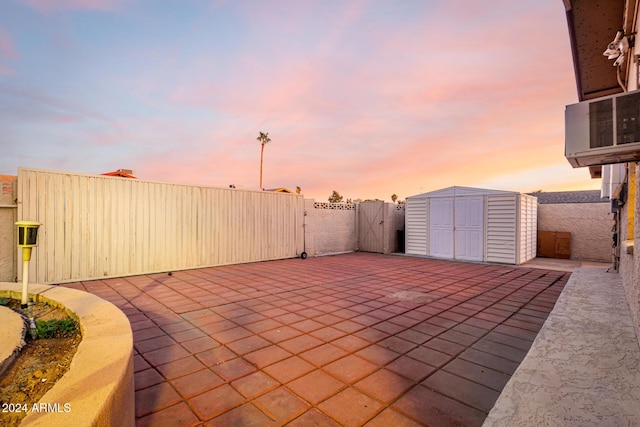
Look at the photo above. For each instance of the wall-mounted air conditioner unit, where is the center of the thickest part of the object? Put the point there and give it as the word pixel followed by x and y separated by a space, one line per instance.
pixel 603 130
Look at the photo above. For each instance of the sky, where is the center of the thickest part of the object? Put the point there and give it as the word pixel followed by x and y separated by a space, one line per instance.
pixel 368 98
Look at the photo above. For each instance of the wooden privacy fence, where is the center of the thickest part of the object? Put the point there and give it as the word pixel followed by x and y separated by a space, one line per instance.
pixel 96 226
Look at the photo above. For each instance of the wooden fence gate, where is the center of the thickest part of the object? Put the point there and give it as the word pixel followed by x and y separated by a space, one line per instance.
pixel 371 226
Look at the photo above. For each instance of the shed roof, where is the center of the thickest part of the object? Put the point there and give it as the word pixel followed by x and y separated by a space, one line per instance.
pixel 460 191
pixel 558 197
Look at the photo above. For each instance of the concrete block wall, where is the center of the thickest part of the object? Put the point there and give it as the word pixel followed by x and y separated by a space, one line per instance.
pixel 395 213
pixel 330 228
pixel 589 224
pixel 8 251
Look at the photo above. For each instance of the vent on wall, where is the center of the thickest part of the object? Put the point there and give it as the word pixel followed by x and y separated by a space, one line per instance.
pixel 603 131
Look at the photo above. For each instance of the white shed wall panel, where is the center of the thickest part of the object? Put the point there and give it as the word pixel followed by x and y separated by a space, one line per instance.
pixel 416 221
pixel 469 228
pixel 97 226
pixel 528 227
pixel 501 229
pixel 441 217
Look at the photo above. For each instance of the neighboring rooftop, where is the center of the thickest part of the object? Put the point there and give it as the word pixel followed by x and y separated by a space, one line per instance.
pixel 124 173
pixel 557 197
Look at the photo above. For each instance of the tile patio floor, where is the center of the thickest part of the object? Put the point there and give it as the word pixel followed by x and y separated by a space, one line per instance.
pixel 322 341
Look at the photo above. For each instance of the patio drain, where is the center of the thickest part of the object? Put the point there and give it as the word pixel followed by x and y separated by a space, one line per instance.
pixel 417 297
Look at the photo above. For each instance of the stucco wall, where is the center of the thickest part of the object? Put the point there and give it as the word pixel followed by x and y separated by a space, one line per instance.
pixel 630 263
pixel 330 228
pixel 589 224
pixel 7 230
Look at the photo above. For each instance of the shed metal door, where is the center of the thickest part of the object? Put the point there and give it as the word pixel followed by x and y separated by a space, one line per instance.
pixel 441 227
pixel 370 226
pixel 469 229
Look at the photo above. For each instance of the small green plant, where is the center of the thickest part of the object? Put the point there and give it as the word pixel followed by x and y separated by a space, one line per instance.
pixel 4 301
pixel 56 328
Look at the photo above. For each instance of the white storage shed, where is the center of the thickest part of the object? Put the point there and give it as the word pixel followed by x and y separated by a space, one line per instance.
pixel 472 224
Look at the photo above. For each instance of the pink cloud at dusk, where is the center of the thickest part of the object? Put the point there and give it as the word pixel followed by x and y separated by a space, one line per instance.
pixel 368 98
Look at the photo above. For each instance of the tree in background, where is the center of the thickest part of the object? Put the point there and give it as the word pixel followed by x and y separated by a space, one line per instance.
pixel 394 197
pixel 335 197
pixel 263 138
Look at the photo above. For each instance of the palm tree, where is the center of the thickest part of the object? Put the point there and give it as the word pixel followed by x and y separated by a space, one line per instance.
pixel 263 138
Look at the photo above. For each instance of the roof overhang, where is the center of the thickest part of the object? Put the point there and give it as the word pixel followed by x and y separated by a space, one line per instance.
pixel 592 26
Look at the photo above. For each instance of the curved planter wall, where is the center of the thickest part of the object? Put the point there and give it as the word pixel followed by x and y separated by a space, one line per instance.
pixel 98 389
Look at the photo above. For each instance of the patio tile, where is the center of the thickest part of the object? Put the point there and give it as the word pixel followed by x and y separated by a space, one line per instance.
pixel 246 415
pixel 145 334
pixel 248 344
pixel 280 334
pixel 313 418
pixel 371 335
pixel 412 369
pixel 232 369
pixel 327 333
pixel 180 367
pixel 434 409
pixel 300 344
pixel 187 335
pixel 217 327
pixel 470 330
pixel 498 349
pixel 348 326
pixel 324 354
pixel 176 415
pixel 176 327
pixel 154 343
pixel 196 382
pixel 267 356
pixel 139 364
pixel 490 361
pixel 281 405
pixel 155 398
pixel 444 346
pixel 215 356
pixel 350 368
pixel 477 373
pixel 384 385
pixel 307 325
pixel 430 356
pixel 397 344
pixel 510 341
pixel 288 369
pixel 146 378
pixel 255 384
pixel 216 401
pixel 516 332
pixel 350 407
pixel 377 354
pixel 351 343
pixel 263 325
pixel 198 345
pixel 231 335
pixel 316 386
pixel 414 336
pixel 462 390
pixel 166 355
pixel 389 417
pixel 389 327
pixel 458 337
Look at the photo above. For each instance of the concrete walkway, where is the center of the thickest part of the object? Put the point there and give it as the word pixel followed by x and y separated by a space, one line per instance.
pixel 356 339
pixel 584 367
